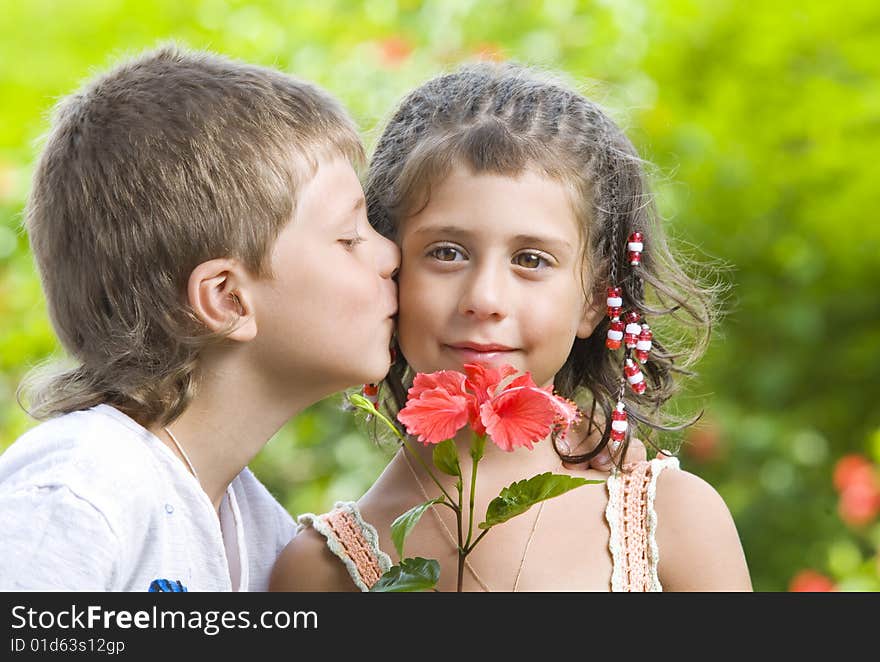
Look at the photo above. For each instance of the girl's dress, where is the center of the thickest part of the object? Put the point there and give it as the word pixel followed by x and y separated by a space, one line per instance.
pixel 630 515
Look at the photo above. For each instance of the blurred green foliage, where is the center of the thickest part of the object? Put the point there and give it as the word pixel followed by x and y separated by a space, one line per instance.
pixel 763 121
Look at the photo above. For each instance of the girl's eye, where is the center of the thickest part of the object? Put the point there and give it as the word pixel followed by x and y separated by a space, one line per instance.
pixel 447 254
pixel 530 260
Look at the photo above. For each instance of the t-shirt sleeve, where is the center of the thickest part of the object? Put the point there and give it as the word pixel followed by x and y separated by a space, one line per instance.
pixel 54 540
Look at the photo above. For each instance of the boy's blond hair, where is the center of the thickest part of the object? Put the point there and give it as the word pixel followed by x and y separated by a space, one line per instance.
pixel 169 159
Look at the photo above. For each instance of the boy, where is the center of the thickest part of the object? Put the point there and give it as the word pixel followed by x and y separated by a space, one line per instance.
pixel 200 234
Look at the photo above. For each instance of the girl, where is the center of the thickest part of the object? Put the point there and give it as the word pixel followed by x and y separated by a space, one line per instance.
pixel 516 203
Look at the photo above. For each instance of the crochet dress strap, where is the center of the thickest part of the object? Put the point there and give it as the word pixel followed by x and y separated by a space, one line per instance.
pixel 633 525
pixel 353 540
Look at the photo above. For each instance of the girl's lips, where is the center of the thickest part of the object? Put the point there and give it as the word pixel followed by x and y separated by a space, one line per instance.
pixel 473 354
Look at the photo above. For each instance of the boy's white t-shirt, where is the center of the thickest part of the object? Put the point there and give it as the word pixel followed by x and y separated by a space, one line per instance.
pixel 92 501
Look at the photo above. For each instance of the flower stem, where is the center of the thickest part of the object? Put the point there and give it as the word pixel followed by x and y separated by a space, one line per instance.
pixel 462 553
pixel 471 509
pixel 477 447
pixel 418 457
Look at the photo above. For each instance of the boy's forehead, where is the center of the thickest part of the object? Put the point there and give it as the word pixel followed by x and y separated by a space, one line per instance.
pixel 332 189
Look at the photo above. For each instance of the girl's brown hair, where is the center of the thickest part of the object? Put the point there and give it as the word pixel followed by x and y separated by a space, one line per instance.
pixel 502 119
pixel 168 160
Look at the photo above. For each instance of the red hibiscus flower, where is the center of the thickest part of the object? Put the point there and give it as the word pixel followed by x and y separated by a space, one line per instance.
pixel 436 406
pixel 518 413
pixel 482 381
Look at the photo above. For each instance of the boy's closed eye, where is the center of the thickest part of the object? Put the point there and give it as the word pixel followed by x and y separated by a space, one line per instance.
pixel 350 242
pixel 352 237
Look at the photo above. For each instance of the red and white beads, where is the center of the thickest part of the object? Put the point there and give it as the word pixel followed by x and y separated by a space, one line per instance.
pixel 643 346
pixel 615 302
pixel 633 329
pixel 619 423
pixel 634 376
pixel 615 334
pixel 634 248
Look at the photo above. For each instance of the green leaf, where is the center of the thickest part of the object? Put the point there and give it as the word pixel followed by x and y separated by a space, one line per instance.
pixel 522 495
pixel 446 458
pixel 401 527
pixel 415 574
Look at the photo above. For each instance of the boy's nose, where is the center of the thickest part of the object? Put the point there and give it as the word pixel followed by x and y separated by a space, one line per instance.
pixel 389 258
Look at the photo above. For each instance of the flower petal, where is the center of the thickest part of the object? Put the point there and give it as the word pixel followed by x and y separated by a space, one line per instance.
pixel 523 380
pixel 449 380
pixel 518 417
pixel 483 380
pixel 435 416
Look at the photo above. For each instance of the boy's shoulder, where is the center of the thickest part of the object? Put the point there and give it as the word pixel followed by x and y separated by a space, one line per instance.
pixel 268 520
pixel 93 452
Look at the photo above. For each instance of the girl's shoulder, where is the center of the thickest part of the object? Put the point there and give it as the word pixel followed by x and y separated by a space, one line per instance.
pixel 698 544
pixel 686 502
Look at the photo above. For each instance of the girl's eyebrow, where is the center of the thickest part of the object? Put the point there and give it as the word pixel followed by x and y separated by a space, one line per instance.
pixel 555 243
pixel 544 241
pixel 520 238
pixel 443 229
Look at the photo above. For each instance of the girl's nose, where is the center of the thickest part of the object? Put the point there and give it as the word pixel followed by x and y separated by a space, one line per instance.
pixel 483 297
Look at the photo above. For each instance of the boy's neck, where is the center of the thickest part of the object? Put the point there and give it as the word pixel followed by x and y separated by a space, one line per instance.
pixel 229 420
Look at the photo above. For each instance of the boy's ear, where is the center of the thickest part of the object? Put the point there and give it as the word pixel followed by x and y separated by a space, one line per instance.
pixel 593 313
pixel 219 296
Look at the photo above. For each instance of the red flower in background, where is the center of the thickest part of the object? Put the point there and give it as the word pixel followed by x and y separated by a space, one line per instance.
pixel 395 51
pixel 704 442
pixel 810 581
pixel 859 504
pixel 856 480
pixel 851 469
pixel 518 413
pixel 488 51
